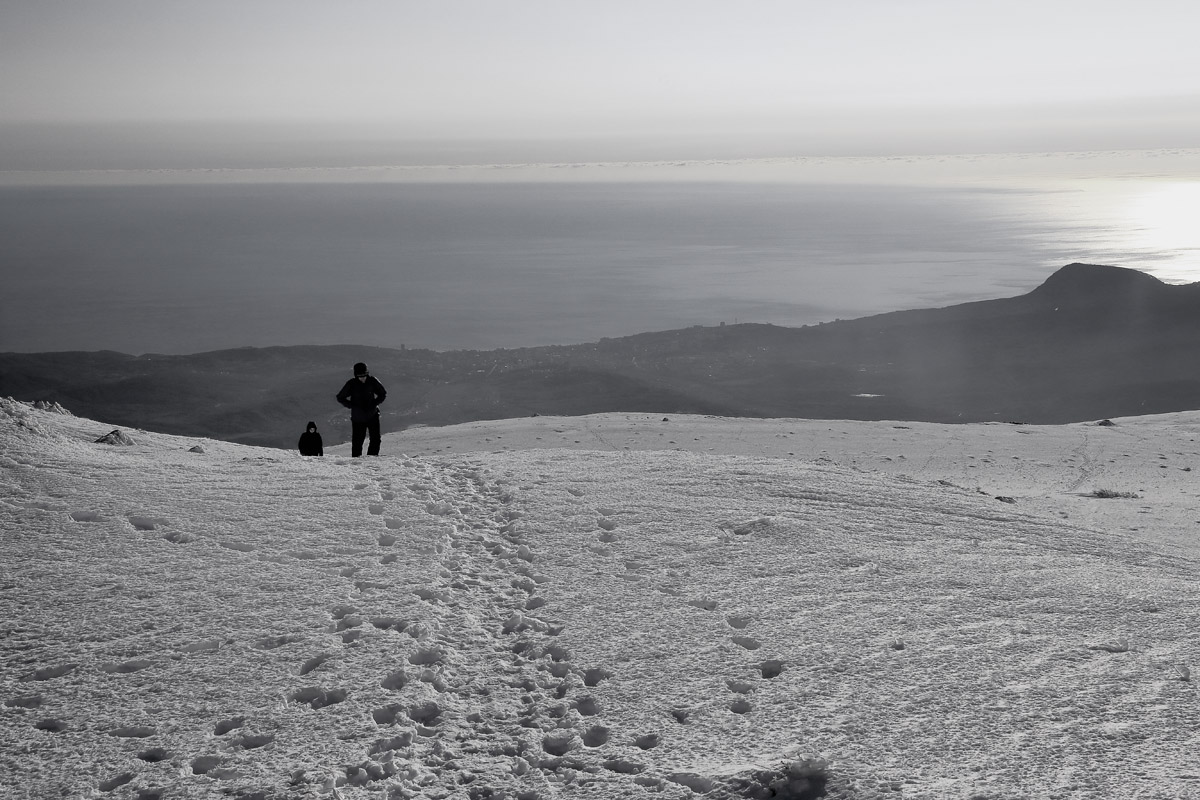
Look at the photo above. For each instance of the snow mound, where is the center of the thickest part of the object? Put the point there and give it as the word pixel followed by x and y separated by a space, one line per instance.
pixel 117 437
pixel 51 406
pixel 605 622
pixel 21 416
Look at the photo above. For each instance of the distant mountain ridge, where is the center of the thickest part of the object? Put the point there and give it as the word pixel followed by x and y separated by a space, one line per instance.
pixel 1092 341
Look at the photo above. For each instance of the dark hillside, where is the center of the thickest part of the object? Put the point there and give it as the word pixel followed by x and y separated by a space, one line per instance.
pixel 1091 342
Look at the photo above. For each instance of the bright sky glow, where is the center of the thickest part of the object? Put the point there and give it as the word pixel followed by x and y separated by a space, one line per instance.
pixel 1166 216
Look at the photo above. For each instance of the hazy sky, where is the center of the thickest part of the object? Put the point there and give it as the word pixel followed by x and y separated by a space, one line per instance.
pixel 1111 73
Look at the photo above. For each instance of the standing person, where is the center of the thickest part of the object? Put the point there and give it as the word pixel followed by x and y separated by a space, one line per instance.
pixel 310 442
pixel 362 394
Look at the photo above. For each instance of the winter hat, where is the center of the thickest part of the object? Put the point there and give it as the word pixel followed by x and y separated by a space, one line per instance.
pixel 360 369
pixel 312 426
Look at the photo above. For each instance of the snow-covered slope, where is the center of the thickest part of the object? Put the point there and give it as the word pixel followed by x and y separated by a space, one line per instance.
pixel 610 606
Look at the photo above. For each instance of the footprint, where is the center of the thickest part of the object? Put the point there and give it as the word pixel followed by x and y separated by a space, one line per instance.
pixel 559 742
pixel 272 642
pixel 386 540
pixel 126 667
pixel 556 653
pixel 518 623
pixel 202 646
pixel 559 669
pixel 739 621
pixel 116 782
pixel 748 642
pixel 85 516
pixel 596 736
pixel 228 725
pixel 427 713
pixel 771 668
pixel 376 509
pixel 313 663
pixel 363 586
pixel 595 675
pixel 586 706
pixel 386 623
pixel 741 706
pixel 752 526
pixel 398 742
pixel 697 783
pixel 427 657
pixel 395 681
pixel 315 697
pixel 623 766
pixel 648 741
pixel 706 605
pixel 48 673
pixel 202 765
pixel 739 687
pixel 254 741
pixel 386 715
pixel 146 523
pixel 155 754
pixel 606 524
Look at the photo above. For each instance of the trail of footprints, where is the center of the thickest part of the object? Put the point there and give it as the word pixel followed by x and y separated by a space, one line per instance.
pixel 767 669
pixel 487 596
pixel 484 597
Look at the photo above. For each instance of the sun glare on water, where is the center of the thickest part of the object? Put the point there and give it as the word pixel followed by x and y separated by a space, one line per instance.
pixel 1166 219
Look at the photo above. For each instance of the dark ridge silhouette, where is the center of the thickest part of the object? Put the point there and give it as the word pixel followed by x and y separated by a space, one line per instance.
pixel 1091 342
pixel 1090 284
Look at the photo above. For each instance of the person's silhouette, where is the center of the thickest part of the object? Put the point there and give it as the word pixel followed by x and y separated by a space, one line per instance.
pixel 362 394
pixel 310 441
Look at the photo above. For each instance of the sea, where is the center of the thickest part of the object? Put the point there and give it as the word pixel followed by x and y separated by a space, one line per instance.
pixel 517 255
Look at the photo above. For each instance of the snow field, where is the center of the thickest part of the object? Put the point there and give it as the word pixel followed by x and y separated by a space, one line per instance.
pixel 587 623
pixel 923 630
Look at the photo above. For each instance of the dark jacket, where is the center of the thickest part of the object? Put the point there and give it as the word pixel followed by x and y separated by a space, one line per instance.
pixel 310 442
pixel 362 398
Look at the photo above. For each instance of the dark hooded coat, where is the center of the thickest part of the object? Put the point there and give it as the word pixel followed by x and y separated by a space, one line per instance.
pixel 310 442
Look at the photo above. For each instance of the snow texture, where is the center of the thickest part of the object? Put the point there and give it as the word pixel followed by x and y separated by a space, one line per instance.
pixel 602 607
